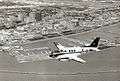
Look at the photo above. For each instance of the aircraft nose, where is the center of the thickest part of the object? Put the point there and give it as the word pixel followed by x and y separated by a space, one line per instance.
pixel 53 56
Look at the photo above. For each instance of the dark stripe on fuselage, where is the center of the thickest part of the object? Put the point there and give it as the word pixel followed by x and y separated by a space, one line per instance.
pixel 58 54
pixel 54 55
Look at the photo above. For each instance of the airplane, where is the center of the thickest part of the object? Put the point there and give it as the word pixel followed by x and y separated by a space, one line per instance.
pixel 71 53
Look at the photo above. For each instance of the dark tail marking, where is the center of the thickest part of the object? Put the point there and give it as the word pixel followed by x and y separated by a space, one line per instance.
pixel 95 42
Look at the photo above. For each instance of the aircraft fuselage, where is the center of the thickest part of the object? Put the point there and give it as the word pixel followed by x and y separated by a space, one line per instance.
pixel 77 49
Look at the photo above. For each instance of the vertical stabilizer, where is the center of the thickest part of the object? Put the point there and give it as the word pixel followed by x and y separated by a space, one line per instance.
pixel 95 42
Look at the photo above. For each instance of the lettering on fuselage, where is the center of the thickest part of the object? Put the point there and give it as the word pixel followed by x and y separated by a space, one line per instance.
pixel 74 50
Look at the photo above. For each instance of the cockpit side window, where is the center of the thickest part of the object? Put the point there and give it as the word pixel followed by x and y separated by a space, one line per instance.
pixel 61 50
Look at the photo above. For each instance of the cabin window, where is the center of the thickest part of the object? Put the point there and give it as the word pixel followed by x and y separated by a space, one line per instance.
pixel 82 50
pixel 61 50
pixel 74 50
pixel 69 50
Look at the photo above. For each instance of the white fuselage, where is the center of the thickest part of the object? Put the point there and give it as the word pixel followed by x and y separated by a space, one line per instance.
pixel 77 49
pixel 67 52
pixel 73 52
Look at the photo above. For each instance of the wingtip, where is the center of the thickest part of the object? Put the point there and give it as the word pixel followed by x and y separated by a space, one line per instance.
pixel 84 62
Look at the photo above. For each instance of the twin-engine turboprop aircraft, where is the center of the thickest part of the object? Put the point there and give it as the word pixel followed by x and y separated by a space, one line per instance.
pixel 72 53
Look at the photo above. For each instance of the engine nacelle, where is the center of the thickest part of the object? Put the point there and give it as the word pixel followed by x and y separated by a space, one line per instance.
pixel 63 60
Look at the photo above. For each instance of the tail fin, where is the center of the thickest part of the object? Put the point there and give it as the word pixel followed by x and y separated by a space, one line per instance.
pixel 59 46
pixel 95 42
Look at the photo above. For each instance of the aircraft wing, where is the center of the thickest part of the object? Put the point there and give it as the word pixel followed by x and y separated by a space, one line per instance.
pixel 77 59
